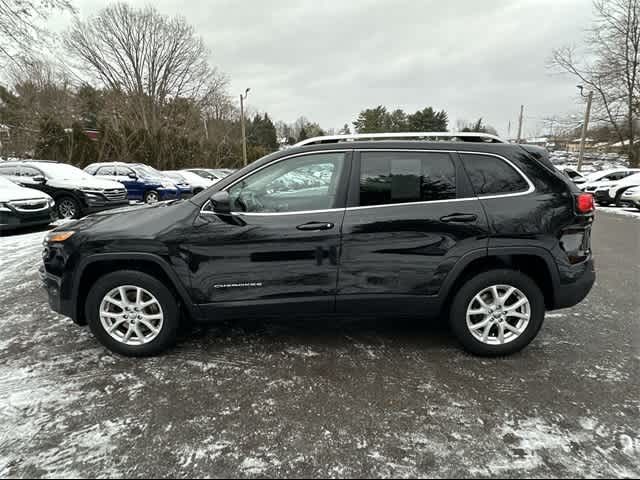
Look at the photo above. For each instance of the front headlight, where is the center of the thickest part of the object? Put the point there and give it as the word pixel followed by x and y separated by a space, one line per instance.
pixel 58 237
pixel 51 202
pixel 169 185
pixel 4 207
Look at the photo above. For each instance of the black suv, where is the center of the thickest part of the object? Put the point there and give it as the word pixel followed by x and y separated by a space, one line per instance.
pixel 487 233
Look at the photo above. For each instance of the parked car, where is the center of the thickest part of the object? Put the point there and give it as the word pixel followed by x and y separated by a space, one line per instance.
pixel 185 189
pixel 632 197
pixel 479 229
pixel 141 184
pixel 575 176
pixel 612 192
pixel 75 192
pixel 23 207
pixel 197 182
pixel 606 178
pixel 215 175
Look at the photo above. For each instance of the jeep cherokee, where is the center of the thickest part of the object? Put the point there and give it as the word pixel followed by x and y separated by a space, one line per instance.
pixel 488 233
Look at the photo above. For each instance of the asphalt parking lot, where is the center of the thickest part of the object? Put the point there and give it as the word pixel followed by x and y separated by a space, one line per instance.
pixel 336 399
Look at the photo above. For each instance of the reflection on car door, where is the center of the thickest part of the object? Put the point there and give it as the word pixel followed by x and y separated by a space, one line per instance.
pixel 411 217
pixel 280 246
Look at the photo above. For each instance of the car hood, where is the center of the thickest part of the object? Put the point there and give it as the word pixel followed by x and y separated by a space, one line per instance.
pixel 8 194
pixel 133 222
pixel 86 182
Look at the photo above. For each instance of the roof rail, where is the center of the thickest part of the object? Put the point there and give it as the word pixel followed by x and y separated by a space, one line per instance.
pixel 463 136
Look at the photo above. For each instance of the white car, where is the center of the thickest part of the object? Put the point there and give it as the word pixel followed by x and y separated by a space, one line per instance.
pixel 23 207
pixel 609 194
pixel 196 181
pixel 575 176
pixel 606 178
pixel 632 197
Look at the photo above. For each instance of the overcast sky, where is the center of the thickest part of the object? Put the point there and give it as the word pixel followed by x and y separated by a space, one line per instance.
pixel 328 60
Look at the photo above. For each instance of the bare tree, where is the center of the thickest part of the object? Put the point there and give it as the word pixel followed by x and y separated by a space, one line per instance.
pixel 21 30
pixel 153 58
pixel 611 67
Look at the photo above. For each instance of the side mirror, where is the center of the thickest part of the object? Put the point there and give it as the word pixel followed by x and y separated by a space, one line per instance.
pixel 221 203
pixel 39 179
pixel 132 176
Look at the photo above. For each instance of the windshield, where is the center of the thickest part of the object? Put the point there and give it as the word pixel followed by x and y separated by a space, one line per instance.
pixel 148 171
pixel 62 171
pixel 176 176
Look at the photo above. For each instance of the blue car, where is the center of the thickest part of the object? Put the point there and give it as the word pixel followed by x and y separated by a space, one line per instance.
pixel 141 181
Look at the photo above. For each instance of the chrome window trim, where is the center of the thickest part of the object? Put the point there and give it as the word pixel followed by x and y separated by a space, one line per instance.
pixel 530 190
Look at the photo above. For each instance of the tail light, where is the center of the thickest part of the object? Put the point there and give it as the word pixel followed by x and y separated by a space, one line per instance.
pixel 585 203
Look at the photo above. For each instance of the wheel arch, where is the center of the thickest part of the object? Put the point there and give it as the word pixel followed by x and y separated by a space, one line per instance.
pixel 94 267
pixel 535 262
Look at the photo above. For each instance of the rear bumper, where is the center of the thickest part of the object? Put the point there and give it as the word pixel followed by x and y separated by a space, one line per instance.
pixel 571 294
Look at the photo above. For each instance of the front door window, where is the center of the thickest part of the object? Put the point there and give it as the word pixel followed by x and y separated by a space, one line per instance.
pixel 302 183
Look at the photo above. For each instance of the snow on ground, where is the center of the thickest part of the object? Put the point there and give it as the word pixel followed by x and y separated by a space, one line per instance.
pixel 626 212
pixel 385 398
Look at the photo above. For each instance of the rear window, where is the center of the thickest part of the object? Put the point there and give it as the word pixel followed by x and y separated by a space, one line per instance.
pixel 406 177
pixel 492 176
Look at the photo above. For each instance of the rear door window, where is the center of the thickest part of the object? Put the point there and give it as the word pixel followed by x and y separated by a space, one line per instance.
pixel 492 175
pixel 388 178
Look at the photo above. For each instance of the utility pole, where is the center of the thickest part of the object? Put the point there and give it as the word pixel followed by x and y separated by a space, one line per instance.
pixel 243 97
pixel 520 124
pixel 585 126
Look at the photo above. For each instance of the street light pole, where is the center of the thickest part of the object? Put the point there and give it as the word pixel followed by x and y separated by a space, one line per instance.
pixel 585 126
pixel 243 97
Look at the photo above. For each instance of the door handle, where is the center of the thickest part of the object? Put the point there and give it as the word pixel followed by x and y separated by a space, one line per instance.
pixel 315 226
pixel 459 218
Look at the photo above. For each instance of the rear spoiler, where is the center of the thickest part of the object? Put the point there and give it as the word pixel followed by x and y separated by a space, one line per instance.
pixel 539 153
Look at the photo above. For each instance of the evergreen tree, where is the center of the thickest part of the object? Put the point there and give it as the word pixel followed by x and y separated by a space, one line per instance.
pixel 428 120
pixel 373 120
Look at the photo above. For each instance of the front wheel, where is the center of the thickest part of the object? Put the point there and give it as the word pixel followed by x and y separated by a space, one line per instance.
pixel 497 313
pixel 132 314
pixel 67 208
pixel 151 197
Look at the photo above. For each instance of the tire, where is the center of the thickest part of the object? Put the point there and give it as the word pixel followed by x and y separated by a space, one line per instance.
pixel 67 208
pixel 151 197
pixel 165 306
pixel 617 201
pixel 465 299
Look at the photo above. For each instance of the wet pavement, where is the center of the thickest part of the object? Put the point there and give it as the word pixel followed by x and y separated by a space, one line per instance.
pixel 296 398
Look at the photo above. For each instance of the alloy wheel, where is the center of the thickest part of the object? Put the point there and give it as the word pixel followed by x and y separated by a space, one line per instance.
pixel 67 209
pixel 498 315
pixel 131 315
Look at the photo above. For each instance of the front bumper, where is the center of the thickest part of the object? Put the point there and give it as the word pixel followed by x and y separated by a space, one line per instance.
pixel 570 294
pixel 15 219
pixel 101 206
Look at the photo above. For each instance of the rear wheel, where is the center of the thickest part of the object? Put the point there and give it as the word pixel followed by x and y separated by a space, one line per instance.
pixel 498 312
pixel 132 314
pixel 151 197
pixel 67 208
